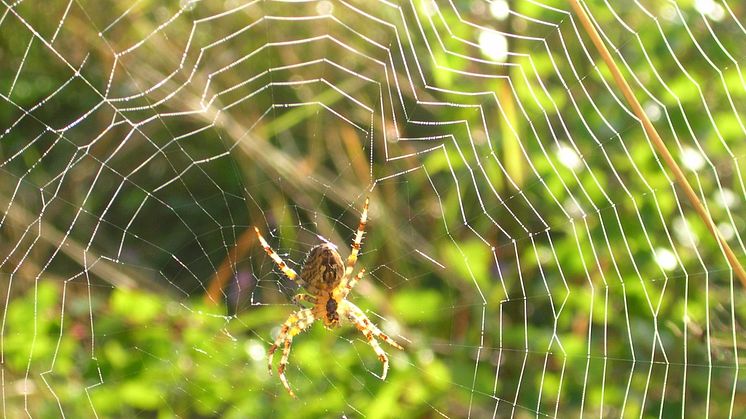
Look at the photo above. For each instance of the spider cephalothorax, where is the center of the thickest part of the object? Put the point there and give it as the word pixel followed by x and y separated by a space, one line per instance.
pixel 328 282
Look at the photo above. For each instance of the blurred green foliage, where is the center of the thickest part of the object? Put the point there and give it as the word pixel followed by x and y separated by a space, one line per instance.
pixel 160 357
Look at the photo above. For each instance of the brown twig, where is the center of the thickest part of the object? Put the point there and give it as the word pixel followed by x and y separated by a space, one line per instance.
pixel 225 271
pixel 652 133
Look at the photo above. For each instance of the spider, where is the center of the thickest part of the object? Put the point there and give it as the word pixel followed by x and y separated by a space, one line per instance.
pixel 328 282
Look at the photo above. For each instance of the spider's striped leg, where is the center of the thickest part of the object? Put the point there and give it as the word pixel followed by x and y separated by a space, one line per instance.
pixel 296 323
pixel 377 333
pixel 347 286
pixel 370 331
pixel 288 271
pixel 351 284
pixel 297 298
pixel 373 343
pixel 352 259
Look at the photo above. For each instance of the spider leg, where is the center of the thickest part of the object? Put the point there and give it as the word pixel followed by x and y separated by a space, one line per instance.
pixel 370 331
pixel 373 328
pixel 347 286
pixel 373 343
pixel 296 323
pixel 288 271
pixel 352 259
pixel 297 298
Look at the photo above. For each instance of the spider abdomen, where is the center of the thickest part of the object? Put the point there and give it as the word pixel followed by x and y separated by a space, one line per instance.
pixel 323 269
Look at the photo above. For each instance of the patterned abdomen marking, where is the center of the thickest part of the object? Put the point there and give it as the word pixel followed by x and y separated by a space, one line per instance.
pixel 322 270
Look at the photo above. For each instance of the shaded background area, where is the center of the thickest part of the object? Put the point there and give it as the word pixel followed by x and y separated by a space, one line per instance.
pixel 526 243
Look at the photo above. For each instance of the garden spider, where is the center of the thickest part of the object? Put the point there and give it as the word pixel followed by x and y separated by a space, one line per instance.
pixel 328 282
